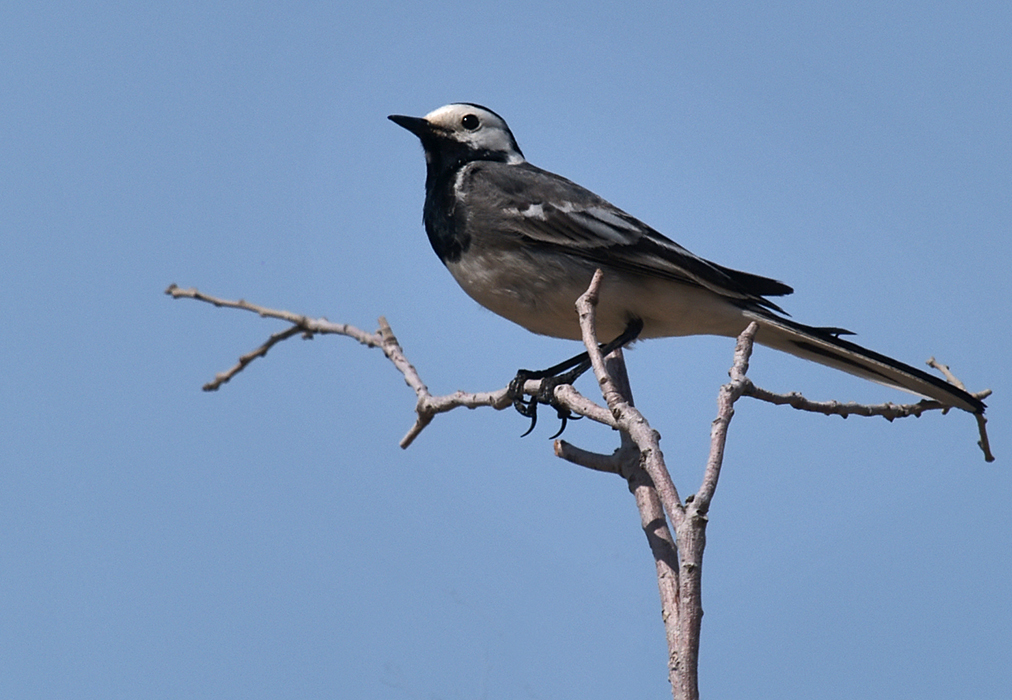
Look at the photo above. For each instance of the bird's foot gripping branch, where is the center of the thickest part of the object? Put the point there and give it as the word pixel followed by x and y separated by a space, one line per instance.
pixel 566 372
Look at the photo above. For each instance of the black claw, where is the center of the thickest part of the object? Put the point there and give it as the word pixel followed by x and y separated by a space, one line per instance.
pixel 565 415
pixel 562 428
pixel 563 373
pixel 528 409
pixel 534 421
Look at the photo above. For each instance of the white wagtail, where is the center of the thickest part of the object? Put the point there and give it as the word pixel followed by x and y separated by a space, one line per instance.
pixel 524 243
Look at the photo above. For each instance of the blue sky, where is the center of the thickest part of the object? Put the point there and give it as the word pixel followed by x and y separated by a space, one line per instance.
pixel 271 540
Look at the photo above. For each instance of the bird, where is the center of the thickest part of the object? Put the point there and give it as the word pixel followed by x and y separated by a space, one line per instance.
pixel 524 243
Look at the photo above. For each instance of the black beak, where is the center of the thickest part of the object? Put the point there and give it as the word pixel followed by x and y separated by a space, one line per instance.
pixel 416 125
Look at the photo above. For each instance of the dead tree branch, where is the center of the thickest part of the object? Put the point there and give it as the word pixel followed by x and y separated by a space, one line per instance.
pixel 678 562
pixel 675 530
pixel 428 406
pixel 889 411
pixel 626 461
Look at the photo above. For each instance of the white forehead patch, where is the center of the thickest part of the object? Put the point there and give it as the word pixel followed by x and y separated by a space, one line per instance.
pixel 492 133
pixel 449 116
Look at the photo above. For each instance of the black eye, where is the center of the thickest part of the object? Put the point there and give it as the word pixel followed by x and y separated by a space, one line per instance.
pixel 469 122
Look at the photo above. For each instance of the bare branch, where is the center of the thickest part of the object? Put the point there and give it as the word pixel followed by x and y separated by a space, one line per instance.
pixel 627 462
pixel 656 497
pixel 301 325
pixel 984 443
pixel 618 461
pixel 629 418
pixel 944 369
pixel 224 377
pixel 638 459
pixel 656 528
pixel 610 464
pixel 310 326
pixel 729 394
pixel 889 411
pixel 427 406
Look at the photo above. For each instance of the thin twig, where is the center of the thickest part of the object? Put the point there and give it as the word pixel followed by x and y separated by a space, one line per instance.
pixel 428 406
pixel 224 377
pixel 983 443
pixel 944 369
pixel 728 395
pixel 310 326
pixel 889 411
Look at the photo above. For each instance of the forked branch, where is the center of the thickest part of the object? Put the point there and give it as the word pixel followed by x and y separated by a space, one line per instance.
pixel 675 530
pixel 428 406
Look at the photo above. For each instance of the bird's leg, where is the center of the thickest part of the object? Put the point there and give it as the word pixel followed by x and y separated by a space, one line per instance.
pixel 565 372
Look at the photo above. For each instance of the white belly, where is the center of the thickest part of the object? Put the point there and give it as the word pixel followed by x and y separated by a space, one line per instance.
pixel 538 290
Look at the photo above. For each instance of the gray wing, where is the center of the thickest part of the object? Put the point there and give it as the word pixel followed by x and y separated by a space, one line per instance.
pixel 549 210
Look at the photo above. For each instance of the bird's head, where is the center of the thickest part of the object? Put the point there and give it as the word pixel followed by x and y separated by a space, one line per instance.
pixel 460 133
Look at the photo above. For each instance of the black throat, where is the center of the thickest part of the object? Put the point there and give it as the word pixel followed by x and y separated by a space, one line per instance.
pixel 444 214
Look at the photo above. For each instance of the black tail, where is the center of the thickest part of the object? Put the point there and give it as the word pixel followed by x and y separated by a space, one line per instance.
pixel 823 345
